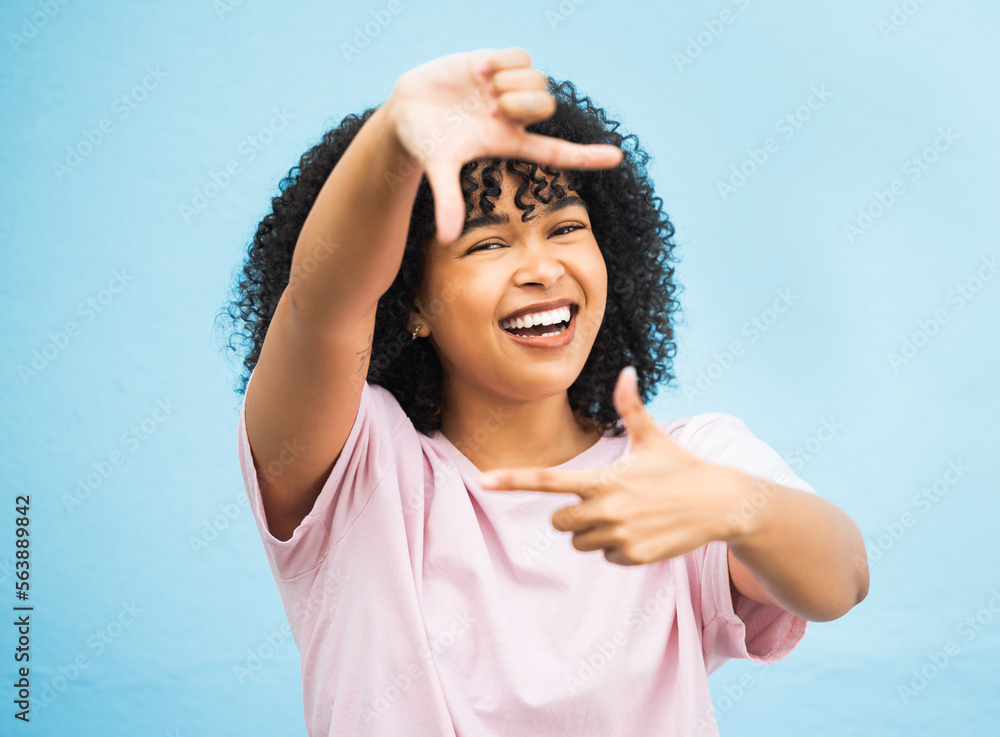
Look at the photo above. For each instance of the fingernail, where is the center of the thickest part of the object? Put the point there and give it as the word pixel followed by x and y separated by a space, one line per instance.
pixel 631 375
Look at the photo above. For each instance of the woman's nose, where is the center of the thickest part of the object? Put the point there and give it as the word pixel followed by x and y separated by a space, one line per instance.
pixel 539 264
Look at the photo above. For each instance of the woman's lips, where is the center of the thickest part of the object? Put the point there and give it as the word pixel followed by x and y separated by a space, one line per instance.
pixel 553 341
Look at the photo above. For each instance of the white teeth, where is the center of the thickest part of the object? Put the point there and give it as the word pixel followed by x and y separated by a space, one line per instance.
pixel 550 317
pixel 562 329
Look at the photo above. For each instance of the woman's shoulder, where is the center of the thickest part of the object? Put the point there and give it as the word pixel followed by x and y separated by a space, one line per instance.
pixel 390 413
pixel 401 442
pixel 717 437
pixel 726 440
pixel 688 429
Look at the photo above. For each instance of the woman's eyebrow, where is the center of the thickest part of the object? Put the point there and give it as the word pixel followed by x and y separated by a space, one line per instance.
pixel 501 218
pixel 571 201
pixel 483 221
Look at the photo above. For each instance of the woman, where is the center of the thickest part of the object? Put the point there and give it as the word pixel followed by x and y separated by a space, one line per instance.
pixel 440 293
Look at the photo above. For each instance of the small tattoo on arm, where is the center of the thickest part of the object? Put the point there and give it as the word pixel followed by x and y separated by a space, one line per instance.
pixel 364 354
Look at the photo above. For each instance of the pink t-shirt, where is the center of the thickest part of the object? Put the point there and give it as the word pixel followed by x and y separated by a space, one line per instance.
pixel 424 605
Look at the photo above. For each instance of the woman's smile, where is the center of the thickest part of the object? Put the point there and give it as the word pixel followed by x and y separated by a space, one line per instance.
pixel 542 326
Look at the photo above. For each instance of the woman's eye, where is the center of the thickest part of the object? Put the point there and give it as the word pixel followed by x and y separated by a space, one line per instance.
pixel 484 247
pixel 492 245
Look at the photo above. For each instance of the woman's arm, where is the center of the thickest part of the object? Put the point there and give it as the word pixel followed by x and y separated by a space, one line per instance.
pixel 351 244
pixel 800 551
pixel 788 548
pixel 307 383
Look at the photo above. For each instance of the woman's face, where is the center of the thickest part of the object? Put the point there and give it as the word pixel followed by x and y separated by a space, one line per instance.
pixel 501 270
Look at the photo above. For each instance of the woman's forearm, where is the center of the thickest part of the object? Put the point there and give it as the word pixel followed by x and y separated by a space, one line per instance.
pixel 351 244
pixel 803 550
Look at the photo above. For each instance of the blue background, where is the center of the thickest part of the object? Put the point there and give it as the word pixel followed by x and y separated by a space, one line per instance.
pixel 139 630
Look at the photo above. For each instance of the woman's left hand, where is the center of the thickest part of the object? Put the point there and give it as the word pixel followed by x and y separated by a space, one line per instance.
pixel 656 502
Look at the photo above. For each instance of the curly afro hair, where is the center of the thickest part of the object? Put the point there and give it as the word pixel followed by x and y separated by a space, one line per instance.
pixel 627 219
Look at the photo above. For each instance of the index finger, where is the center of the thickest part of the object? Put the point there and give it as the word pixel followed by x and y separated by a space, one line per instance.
pixel 567 155
pixel 582 483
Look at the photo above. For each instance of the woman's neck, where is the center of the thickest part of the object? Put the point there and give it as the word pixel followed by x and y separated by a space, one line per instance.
pixel 496 433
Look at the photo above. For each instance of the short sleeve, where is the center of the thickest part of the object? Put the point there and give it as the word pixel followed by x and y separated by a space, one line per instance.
pixel 725 440
pixel 364 460
pixel 751 630
pixel 744 628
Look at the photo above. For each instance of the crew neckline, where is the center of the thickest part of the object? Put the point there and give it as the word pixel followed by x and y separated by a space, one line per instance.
pixel 580 462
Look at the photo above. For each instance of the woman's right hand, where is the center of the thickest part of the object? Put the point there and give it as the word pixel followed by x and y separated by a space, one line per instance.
pixel 473 105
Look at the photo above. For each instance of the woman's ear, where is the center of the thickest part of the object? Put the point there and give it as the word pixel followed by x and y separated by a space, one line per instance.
pixel 415 322
pixel 417 327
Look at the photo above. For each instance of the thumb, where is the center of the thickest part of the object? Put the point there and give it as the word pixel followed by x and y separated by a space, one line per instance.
pixel 638 422
pixel 449 206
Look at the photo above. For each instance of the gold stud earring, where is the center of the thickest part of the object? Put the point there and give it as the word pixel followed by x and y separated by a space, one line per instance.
pixel 414 336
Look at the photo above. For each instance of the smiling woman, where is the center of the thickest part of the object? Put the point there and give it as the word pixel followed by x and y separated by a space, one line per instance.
pixel 506 303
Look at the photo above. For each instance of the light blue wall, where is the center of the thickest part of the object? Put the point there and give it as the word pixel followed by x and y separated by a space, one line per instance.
pixel 110 228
